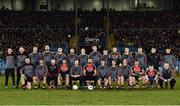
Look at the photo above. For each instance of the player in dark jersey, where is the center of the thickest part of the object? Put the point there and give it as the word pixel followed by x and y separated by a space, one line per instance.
pixel 141 57
pixel 35 56
pixel 76 74
pixel 151 76
pixel 10 67
pixel 83 57
pixel 71 57
pixel 20 61
pixel 154 59
pixel 114 55
pixel 102 73
pixel 137 74
pixel 90 72
pixel 63 73
pixel 47 56
pixel 41 73
pixel 105 57
pixel 114 74
pixel 126 73
pixel 127 56
pixel 27 74
pixel 95 56
pixel 167 76
pixel 52 74
pixel 59 56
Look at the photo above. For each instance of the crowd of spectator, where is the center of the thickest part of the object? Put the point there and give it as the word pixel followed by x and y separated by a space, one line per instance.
pixel 92 19
pixel 27 38
pixel 160 39
pixel 135 19
pixel 148 29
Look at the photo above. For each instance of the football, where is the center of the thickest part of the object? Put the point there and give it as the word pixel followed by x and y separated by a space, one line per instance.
pixel 75 87
pixel 90 87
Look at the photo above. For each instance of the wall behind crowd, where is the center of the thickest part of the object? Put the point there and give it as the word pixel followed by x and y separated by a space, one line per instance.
pixel 119 5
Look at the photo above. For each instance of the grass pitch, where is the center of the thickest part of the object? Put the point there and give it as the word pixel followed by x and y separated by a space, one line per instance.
pixel 85 97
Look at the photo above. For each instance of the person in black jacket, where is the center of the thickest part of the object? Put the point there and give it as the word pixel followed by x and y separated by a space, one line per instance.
pixel 167 76
pixel 154 59
pixel 52 74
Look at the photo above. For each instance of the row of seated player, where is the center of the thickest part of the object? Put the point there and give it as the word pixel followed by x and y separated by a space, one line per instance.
pixel 56 76
pixel 17 62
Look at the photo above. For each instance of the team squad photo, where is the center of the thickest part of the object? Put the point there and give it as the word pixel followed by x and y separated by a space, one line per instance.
pixel 95 70
pixel 90 52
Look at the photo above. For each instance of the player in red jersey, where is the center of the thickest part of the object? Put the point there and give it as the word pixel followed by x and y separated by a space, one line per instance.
pixel 63 73
pixel 138 74
pixel 90 72
pixel 151 76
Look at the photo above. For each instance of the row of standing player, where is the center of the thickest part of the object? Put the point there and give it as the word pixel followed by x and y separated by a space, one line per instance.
pixel 96 56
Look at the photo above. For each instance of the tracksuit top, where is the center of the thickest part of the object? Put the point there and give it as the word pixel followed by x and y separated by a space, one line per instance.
pixel 96 57
pixel 126 70
pixel 142 59
pixel 47 56
pixel 59 58
pixel 71 58
pixel 103 71
pixel 76 70
pixel 106 59
pixel 10 61
pixel 83 59
pixel 34 57
pixel 129 58
pixel 114 72
pixel 41 70
pixel 166 73
pixel 21 60
pixel 28 70
pixel 170 59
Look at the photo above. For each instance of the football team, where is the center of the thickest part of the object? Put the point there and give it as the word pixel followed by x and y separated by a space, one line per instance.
pixel 104 71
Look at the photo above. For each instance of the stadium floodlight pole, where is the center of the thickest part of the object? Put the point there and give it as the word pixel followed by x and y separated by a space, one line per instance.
pixel 76 13
pixel 2 3
pixel 137 5
pixel 107 17
pixel 47 3
pixel 12 4
pixel 76 24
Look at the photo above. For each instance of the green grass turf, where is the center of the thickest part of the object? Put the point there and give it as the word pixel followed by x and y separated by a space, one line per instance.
pixel 84 97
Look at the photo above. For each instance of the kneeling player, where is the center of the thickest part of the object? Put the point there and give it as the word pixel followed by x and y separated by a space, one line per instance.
pixel 151 76
pixel 167 76
pixel 126 70
pixel 52 74
pixel 27 74
pixel 90 73
pixel 137 74
pixel 113 74
pixel 76 74
pixel 63 74
pixel 41 73
pixel 102 72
